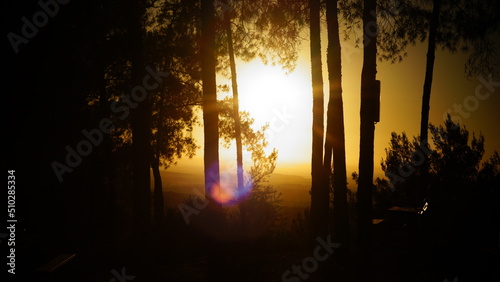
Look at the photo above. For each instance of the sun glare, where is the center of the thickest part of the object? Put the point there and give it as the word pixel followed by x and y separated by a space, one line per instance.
pixel 283 101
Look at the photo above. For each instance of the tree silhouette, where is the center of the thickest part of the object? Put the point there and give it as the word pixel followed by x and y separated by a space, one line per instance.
pixel 263 204
pixel 255 143
pixel 254 23
pixel 170 44
pixel 140 121
pixel 429 69
pixel 259 203
pixel 370 90
pixel 211 132
pixel 173 121
pixel 210 112
pixel 335 137
pixel 448 33
pixel 458 177
pixel 319 188
pixel 236 111
pixel 454 25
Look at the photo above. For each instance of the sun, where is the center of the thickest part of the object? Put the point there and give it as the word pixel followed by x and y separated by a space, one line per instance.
pixel 281 100
pixel 264 89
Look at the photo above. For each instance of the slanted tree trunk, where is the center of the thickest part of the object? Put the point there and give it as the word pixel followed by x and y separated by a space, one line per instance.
pixel 367 132
pixel 319 189
pixel 335 140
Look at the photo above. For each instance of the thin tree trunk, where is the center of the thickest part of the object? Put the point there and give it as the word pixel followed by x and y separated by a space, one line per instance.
pixel 236 107
pixel 429 70
pixel 335 140
pixel 426 97
pixel 237 121
pixel 367 132
pixel 319 189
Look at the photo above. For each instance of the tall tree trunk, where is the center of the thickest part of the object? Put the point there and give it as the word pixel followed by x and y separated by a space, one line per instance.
pixel 213 214
pixel 367 132
pixel 319 189
pixel 236 107
pixel 335 140
pixel 141 128
pixel 210 112
pixel 426 96
pixel 236 116
pixel 429 70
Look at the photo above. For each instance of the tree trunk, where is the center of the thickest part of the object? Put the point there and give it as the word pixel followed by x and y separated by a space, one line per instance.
pixel 335 140
pixel 429 70
pixel 367 132
pixel 237 121
pixel 158 203
pixel 319 189
pixel 210 112
pixel 140 129
pixel 426 98
pixel 212 214
pixel 236 107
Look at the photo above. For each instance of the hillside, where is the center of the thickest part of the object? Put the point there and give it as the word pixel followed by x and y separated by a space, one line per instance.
pixel 179 185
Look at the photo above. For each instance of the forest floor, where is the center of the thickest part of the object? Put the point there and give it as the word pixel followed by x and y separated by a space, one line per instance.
pixel 398 255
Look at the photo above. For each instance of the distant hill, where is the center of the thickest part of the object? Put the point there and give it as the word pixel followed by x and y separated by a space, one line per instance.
pixel 179 185
pixel 279 179
pixel 181 182
pixel 294 189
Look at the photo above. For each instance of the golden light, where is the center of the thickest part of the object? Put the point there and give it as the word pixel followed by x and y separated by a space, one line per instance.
pixel 283 101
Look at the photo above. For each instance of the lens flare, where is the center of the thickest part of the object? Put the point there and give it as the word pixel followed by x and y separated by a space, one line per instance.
pixel 227 192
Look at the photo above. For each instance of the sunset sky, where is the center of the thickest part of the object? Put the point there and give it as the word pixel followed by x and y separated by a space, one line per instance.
pixel 285 102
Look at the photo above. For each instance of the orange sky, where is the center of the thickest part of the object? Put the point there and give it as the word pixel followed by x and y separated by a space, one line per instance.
pixel 401 93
